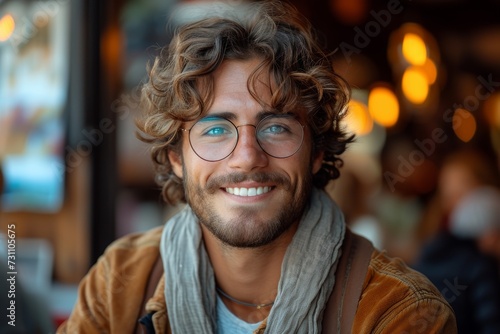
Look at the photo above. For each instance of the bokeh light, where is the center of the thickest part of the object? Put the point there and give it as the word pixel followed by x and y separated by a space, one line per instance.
pixel 7 26
pixel 464 124
pixel 383 106
pixel 491 110
pixel 414 49
pixel 414 85
pixel 430 70
pixel 358 118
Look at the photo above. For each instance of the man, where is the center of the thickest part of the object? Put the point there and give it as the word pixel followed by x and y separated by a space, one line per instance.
pixel 243 113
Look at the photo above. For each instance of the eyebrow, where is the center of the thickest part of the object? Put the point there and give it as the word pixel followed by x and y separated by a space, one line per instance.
pixel 233 117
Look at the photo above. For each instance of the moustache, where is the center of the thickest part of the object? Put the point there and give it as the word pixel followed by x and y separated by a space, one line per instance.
pixel 278 179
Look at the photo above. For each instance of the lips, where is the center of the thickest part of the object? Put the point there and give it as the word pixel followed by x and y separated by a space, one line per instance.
pixel 248 192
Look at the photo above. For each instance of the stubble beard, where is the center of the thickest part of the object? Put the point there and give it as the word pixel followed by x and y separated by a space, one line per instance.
pixel 248 230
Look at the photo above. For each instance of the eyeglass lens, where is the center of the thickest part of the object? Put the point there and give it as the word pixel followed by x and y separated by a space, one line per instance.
pixel 214 138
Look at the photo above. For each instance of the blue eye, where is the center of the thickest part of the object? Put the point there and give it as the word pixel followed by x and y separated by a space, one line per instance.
pixel 274 129
pixel 274 126
pixel 213 127
pixel 215 131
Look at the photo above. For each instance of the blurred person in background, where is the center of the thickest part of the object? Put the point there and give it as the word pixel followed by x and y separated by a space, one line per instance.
pixel 477 216
pixel 455 258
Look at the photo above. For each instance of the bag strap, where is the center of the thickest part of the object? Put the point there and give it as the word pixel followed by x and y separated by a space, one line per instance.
pixel 350 275
pixel 153 280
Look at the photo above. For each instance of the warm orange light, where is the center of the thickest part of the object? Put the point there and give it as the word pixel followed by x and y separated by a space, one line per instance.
pixel 358 118
pixel 464 125
pixel 430 70
pixel 414 85
pixel 383 106
pixel 491 109
pixel 414 49
pixel 7 26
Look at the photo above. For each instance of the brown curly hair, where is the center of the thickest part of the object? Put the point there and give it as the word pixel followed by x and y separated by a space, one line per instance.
pixel 284 40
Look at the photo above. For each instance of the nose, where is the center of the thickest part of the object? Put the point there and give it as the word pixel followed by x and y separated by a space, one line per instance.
pixel 247 154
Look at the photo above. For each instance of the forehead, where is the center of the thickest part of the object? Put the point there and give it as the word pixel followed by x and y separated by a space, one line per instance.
pixel 231 80
pixel 243 88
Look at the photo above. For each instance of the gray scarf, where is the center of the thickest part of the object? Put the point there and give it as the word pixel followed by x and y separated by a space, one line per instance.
pixel 307 272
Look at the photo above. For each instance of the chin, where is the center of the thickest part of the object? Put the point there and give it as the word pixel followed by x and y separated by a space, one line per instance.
pixel 247 230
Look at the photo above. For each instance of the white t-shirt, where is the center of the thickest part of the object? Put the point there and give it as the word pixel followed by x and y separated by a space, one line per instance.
pixel 228 323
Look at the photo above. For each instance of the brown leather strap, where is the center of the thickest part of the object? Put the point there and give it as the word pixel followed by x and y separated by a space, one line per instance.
pixel 349 277
pixel 154 279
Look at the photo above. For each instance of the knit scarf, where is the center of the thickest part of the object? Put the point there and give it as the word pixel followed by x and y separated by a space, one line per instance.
pixel 307 272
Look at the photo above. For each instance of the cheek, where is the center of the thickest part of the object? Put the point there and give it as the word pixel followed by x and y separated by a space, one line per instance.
pixel 309 155
pixel 197 171
pixel 301 167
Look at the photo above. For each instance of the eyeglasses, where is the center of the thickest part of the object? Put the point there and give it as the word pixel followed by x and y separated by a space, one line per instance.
pixel 214 138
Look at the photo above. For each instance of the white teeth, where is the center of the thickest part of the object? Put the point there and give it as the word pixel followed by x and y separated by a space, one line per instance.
pixel 247 192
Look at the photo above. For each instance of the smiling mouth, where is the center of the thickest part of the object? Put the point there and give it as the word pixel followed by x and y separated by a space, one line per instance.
pixel 247 192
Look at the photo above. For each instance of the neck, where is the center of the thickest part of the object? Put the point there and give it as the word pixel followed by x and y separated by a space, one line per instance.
pixel 249 275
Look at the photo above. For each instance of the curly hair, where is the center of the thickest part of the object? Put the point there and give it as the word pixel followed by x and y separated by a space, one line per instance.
pixel 180 82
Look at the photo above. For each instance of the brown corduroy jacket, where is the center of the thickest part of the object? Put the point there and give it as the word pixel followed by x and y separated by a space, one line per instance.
pixel 394 299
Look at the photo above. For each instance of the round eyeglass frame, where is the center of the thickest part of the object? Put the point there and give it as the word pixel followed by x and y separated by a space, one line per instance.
pixel 255 126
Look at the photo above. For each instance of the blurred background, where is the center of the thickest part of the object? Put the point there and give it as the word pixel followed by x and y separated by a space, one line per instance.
pixel 426 85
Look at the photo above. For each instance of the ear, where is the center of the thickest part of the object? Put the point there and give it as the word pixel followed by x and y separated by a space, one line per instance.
pixel 176 161
pixel 317 162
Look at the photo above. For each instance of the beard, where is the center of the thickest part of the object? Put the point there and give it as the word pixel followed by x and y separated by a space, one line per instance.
pixel 248 229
